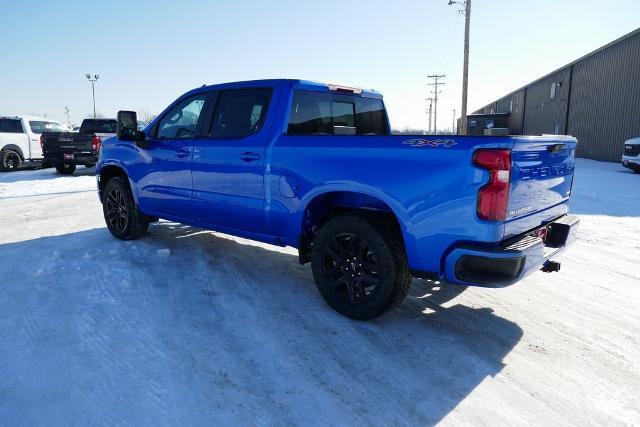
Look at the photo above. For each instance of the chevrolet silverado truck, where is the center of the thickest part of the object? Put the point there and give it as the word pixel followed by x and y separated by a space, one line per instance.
pixel 314 166
pixel 65 150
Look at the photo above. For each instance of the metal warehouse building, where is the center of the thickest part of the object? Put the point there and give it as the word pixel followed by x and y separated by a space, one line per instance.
pixel 595 98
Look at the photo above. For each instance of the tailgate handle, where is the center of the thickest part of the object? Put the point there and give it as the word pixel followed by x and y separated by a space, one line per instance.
pixel 250 156
pixel 555 148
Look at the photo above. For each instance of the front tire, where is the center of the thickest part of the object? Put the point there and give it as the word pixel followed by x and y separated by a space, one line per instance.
pixel 65 168
pixel 359 266
pixel 124 219
pixel 9 160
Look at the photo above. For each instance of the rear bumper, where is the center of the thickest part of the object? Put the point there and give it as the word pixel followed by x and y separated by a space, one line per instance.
pixel 504 265
pixel 86 159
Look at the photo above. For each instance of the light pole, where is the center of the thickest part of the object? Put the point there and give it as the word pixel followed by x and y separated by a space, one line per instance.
pixel 465 70
pixel 93 90
pixel 66 110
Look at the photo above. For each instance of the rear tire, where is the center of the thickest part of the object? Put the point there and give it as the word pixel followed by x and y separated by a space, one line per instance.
pixel 359 266
pixel 65 168
pixel 124 219
pixel 9 160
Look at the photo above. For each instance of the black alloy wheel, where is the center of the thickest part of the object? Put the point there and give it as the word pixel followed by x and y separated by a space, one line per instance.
pixel 10 160
pixel 124 219
pixel 351 267
pixel 116 210
pixel 359 265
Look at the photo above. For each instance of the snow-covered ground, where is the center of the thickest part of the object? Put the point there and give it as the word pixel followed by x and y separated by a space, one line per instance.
pixel 187 327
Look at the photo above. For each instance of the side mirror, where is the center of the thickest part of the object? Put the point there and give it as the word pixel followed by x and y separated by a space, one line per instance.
pixel 127 129
pixel 127 125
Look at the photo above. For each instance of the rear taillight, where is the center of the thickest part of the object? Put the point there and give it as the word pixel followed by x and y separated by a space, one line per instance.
pixel 493 197
pixel 42 141
pixel 95 143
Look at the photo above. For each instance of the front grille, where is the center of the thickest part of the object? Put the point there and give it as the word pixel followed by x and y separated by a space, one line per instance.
pixel 632 150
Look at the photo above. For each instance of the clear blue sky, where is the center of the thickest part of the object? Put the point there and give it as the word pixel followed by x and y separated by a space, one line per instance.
pixel 148 53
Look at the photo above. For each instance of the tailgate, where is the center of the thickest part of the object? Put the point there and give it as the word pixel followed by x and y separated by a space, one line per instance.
pixel 55 143
pixel 541 180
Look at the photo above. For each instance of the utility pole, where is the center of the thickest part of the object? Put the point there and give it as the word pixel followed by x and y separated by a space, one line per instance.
pixel 93 90
pixel 465 69
pixel 436 92
pixel 66 110
pixel 429 111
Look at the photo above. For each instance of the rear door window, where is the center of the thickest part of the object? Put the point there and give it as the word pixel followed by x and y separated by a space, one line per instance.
pixel 317 113
pixel 10 126
pixel 310 114
pixel 239 113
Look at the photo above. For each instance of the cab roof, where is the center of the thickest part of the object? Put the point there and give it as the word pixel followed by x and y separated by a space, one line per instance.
pixel 294 84
pixel 28 117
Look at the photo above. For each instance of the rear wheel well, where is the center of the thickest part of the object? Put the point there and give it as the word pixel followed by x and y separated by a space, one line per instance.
pixel 15 148
pixel 329 205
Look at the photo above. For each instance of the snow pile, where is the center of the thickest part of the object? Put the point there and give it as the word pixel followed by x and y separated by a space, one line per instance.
pixel 190 327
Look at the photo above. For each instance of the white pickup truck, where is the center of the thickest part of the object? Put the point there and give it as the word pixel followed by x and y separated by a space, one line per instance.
pixel 631 156
pixel 20 139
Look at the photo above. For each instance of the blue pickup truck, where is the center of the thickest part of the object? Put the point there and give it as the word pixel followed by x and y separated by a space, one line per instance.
pixel 314 166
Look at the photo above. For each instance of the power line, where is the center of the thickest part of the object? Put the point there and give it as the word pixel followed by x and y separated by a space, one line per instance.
pixel 436 92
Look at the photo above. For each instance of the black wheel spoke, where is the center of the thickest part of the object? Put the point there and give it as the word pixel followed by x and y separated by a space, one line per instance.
pixel 359 292
pixel 340 280
pixel 351 290
pixel 336 251
pixel 369 279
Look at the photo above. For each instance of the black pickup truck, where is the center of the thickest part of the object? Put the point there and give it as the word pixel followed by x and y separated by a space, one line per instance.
pixel 65 150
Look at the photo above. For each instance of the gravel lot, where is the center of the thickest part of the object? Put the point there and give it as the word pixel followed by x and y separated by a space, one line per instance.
pixel 187 327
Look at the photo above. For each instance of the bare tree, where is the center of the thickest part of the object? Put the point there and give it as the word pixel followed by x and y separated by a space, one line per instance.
pixel 144 115
pixel 408 131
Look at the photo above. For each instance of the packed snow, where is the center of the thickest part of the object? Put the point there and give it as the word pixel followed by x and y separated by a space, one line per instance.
pixel 190 327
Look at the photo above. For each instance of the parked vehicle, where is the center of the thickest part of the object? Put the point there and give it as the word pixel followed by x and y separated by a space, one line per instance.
pixel 631 156
pixel 314 166
pixel 65 150
pixel 20 139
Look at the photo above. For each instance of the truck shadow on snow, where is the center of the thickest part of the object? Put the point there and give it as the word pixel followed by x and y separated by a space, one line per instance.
pixel 196 325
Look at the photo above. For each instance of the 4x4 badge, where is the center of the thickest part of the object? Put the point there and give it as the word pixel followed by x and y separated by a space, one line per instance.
pixel 432 143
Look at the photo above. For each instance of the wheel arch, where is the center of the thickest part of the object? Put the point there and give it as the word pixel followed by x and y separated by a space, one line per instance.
pixel 16 148
pixel 108 172
pixel 319 207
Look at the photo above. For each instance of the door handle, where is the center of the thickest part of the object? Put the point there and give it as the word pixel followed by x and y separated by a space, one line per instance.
pixel 182 154
pixel 249 156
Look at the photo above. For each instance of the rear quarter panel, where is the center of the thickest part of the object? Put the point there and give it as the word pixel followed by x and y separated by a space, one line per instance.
pixel 428 182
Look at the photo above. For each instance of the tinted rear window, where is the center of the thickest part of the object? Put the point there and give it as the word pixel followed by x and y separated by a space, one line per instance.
pixel 41 126
pixel 98 126
pixel 10 126
pixel 316 113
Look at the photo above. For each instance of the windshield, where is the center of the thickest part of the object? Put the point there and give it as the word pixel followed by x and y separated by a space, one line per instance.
pixel 98 126
pixel 41 126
